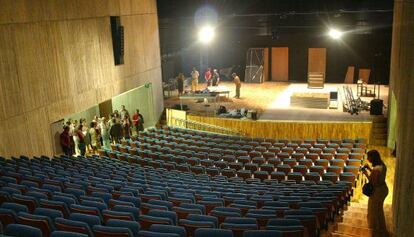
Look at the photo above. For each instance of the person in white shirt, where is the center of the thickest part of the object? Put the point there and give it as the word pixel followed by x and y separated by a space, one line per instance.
pixel 194 79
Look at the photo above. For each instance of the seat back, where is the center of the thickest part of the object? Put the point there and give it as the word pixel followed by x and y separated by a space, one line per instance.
pixel 18 230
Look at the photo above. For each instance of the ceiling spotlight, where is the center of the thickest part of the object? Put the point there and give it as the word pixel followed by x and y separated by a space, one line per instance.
pixel 206 34
pixel 335 34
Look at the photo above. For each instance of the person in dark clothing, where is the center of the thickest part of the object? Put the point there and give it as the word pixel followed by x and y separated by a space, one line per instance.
pixel 65 141
pixel 116 131
pixel 180 84
pixel 81 143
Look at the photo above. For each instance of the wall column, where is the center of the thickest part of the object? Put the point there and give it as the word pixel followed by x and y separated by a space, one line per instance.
pixel 402 84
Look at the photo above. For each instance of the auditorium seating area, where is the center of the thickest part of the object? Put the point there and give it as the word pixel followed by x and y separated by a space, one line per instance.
pixel 175 183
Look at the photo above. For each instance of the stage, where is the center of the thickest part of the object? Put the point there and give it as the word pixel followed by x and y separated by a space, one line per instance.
pixel 272 101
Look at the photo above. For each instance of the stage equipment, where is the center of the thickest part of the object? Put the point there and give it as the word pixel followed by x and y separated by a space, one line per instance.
pixel 352 105
pixel 254 66
pixel 376 107
pixel 316 79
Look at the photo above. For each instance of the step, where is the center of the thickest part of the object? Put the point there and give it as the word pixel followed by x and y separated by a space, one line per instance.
pixel 379 125
pixel 358 215
pixel 353 230
pixel 336 234
pixel 379 119
pixel 379 130
pixel 378 142
pixel 361 222
pixel 379 136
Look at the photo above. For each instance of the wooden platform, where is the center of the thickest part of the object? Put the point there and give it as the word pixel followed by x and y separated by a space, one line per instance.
pixel 310 100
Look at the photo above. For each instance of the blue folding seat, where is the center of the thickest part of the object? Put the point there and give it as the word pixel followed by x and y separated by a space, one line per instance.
pixel 200 207
pixel 110 214
pixel 352 169
pixel 104 196
pixel 56 205
pixel 296 176
pixel 133 210
pixel 74 191
pixel 15 207
pixel 292 200
pixel 66 199
pixel 278 175
pixel 74 208
pixel 169 229
pixel 353 162
pixel 7 216
pixel 30 202
pixel 276 205
pixel 239 224
pixel 101 206
pixel 91 220
pixel 115 202
pixel 51 187
pixel 289 227
pixel 43 223
pixel 51 213
pixel 18 230
pixel 133 226
pixel 107 231
pixel 167 204
pixel 164 214
pixel 308 219
pixel 263 233
pixel 146 221
pixel 208 232
pixel 347 176
pixel 261 215
pixel 223 212
pixel 335 169
pixel 144 233
pixel 67 234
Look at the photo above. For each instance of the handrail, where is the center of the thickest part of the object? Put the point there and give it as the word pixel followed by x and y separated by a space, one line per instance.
pixel 206 127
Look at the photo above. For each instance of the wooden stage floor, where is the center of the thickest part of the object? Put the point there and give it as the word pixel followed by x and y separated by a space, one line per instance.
pixel 272 101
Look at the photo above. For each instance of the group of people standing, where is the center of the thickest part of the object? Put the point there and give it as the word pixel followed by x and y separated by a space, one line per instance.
pixel 80 137
pixel 211 77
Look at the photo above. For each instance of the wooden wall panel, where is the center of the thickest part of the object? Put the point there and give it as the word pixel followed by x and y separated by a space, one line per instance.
pixel 11 102
pixel 291 130
pixel 350 74
pixel 280 64
pixel 363 74
pixel 266 68
pixel 60 62
pixel 317 60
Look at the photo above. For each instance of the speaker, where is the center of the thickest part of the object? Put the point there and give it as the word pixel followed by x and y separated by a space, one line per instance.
pixel 376 107
pixel 254 115
pixel 333 95
pixel 117 39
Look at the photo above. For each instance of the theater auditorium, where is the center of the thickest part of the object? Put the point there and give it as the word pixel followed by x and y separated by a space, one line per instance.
pixel 199 118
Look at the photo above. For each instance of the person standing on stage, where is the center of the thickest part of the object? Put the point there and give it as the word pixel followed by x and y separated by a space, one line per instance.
pixel 207 76
pixel 216 77
pixel 180 83
pixel 237 82
pixel 194 79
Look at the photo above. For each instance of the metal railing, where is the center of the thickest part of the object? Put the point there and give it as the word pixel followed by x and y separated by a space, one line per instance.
pixel 204 127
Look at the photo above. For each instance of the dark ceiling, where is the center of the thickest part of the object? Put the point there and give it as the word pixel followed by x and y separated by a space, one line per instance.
pixel 265 23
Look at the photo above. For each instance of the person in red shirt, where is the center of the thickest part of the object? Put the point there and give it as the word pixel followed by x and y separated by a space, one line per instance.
pixel 65 141
pixel 138 121
pixel 207 76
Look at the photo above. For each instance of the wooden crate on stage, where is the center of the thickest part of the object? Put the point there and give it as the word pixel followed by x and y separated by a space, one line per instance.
pixel 310 100
pixel 316 79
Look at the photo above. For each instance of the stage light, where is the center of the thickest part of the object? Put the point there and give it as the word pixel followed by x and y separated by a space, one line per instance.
pixel 335 34
pixel 206 34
